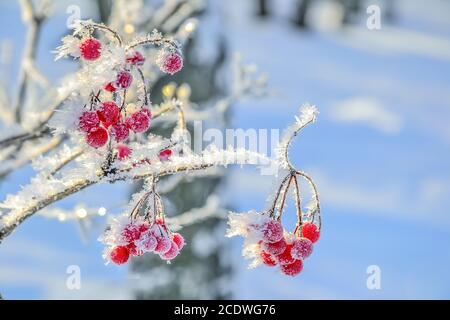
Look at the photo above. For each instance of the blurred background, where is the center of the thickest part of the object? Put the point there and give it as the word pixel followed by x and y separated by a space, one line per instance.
pixel 380 153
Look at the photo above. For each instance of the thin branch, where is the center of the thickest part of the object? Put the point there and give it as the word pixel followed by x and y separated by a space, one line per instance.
pixel 34 28
pixel 9 222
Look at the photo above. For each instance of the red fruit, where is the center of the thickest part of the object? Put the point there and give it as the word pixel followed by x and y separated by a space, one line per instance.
pixel 165 155
pixel 138 122
pixel 134 250
pixel 171 63
pixel 171 253
pixel 97 137
pixel 292 269
pixel 109 113
pixel 88 121
pixel 272 231
pixel 135 58
pixel 131 232
pixel 310 231
pixel 301 248
pixel 164 245
pixel 179 240
pixel 110 87
pixel 119 255
pixel 90 49
pixel 123 151
pixel 148 242
pixel 268 259
pixel 274 248
pixel 285 257
pixel 120 131
pixel 123 80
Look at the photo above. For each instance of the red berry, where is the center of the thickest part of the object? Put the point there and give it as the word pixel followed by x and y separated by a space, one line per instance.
pixel 120 131
pixel 109 113
pixel 285 257
pixel 301 248
pixel 292 269
pixel 123 80
pixel 138 122
pixel 148 241
pixel 272 231
pixel 268 259
pixel 310 231
pixel 123 151
pixel 171 253
pixel 90 49
pixel 165 155
pixel 135 58
pixel 274 248
pixel 131 232
pixel 97 137
pixel 88 121
pixel 110 87
pixel 134 250
pixel 179 240
pixel 119 255
pixel 171 62
pixel 164 245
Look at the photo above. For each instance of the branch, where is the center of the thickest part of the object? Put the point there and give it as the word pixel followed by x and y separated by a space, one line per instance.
pixel 34 21
pixel 208 159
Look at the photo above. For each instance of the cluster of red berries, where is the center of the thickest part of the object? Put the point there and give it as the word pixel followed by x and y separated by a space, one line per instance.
pixel 107 121
pixel 286 250
pixel 139 238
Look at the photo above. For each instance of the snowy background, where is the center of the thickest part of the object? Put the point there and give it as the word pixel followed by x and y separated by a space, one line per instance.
pixel 380 154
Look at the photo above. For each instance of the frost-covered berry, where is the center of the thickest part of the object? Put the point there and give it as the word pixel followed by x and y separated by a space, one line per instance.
pixel 171 253
pixel 170 62
pixel 272 231
pixel 97 137
pixel 90 49
pixel 119 255
pixel 274 248
pixel 109 113
pixel 148 242
pixel 131 232
pixel 179 240
pixel 285 257
pixel 123 80
pixel 120 131
pixel 165 155
pixel 310 231
pixel 123 151
pixel 301 248
pixel 138 121
pixel 163 245
pixel 135 58
pixel 293 268
pixel 268 259
pixel 110 86
pixel 88 121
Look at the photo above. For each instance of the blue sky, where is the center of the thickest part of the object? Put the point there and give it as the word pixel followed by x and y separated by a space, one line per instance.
pixel 383 175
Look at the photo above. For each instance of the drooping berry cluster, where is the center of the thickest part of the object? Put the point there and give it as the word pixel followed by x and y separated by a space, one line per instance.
pixel 268 243
pixel 127 238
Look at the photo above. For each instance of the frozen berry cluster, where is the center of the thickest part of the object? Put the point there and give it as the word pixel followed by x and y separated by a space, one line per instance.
pixel 136 238
pixel 108 122
pixel 267 242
